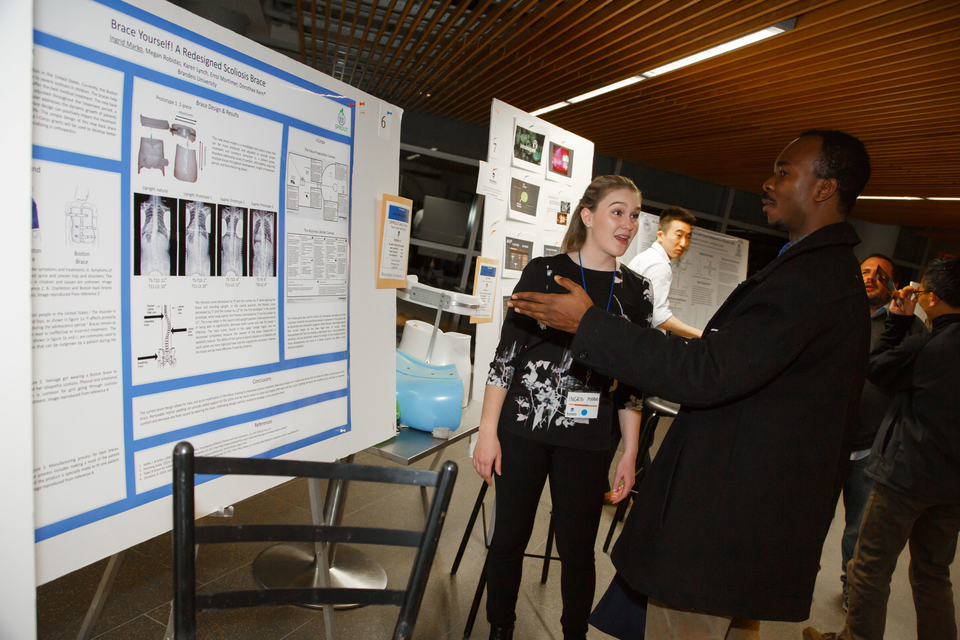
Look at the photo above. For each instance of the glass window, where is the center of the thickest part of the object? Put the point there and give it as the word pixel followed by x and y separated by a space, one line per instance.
pixel 764 248
pixel 444 236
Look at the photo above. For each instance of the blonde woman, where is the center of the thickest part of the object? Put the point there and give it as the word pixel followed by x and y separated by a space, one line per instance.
pixel 546 416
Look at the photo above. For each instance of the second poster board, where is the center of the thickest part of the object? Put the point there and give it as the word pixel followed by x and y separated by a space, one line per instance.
pixel 532 181
pixel 708 271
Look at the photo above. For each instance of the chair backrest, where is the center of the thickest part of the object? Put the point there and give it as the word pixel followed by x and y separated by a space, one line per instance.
pixel 186 534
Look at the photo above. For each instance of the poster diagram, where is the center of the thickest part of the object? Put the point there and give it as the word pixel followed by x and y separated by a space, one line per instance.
pixel 317 189
pixel 166 354
pixel 151 154
pixel 82 219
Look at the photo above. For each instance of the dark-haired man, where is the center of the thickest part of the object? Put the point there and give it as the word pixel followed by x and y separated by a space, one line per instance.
pixel 873 406
pixel 729 523
pixel 915 463
pixel 654 264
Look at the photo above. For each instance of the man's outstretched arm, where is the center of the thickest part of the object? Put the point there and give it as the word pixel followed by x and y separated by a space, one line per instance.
pixel 556 310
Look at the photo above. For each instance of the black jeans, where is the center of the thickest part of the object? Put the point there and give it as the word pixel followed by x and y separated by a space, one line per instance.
pixel 577 479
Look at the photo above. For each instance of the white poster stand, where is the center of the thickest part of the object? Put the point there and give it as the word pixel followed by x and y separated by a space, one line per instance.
pixel 18 602
pixel 198 199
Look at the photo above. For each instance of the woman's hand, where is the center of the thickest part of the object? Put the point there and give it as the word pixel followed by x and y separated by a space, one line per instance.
pixel 486 457
pixel 624 478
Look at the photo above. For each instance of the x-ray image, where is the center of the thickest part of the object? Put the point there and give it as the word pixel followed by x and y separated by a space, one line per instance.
pixel 263 244
pixel 197 235
pixel 231 250
pixel 155 235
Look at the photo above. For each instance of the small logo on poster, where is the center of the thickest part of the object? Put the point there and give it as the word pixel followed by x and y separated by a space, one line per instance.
pixel 341 122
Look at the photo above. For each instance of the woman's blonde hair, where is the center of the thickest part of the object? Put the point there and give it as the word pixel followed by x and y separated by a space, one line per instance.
pixel 576 230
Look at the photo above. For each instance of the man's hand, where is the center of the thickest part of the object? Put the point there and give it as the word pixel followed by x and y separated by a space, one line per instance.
pixel 557 310
pixel 904 302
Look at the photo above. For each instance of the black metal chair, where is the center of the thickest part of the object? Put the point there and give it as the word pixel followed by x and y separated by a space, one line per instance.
pixel 186 534
pixel 654 408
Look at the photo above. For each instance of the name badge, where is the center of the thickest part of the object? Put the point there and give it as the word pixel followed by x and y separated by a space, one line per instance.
pixel 582 405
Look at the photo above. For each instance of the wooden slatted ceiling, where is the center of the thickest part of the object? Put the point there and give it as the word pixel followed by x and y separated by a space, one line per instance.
pixel 887 71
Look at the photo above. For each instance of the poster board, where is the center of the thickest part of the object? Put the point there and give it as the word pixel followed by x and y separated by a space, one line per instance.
pixel 199 200
pixel 529 197
pixel 707 272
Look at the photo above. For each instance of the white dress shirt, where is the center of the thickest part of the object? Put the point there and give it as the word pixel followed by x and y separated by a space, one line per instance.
pixel 654 264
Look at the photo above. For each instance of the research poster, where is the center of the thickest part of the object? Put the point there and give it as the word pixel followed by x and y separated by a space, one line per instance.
pixel 190 257
pixel 707 272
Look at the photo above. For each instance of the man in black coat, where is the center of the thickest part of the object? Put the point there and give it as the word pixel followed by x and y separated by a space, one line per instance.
pixel 915 463
pixel 729 524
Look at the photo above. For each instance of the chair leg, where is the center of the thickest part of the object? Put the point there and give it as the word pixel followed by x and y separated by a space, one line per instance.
pixel 470 523
pixel 548 553
pixel 617 518
pixel 646 439
pixel 475 606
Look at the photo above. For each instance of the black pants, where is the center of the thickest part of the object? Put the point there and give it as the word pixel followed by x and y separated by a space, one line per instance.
pixel 577 480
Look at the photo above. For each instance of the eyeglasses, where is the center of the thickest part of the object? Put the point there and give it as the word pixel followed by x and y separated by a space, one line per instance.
pixel 920 292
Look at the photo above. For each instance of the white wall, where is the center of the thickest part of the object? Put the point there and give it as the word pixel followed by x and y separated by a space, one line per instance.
pixel 17 593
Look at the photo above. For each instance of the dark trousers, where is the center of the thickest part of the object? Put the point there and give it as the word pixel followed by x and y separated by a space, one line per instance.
pixel 577 480
pixel 891 520
pixel 856 493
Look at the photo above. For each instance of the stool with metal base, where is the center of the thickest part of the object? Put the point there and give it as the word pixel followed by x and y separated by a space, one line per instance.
pixel 488 535
pixel 657 408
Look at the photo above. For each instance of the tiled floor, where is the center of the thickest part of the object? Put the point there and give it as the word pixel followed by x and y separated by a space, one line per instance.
pixel 138 605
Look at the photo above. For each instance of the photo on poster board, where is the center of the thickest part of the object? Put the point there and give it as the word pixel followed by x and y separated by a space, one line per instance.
pixel 525 198
pixel 493 180
pixel 529 145
pixel 560 163
pixel 558 203
pixel 516 254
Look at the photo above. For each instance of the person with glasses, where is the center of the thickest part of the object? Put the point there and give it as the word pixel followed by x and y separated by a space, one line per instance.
pixel 915 463
pixel 879 272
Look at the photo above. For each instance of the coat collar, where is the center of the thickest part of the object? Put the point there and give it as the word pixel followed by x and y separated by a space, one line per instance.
pixel 837 234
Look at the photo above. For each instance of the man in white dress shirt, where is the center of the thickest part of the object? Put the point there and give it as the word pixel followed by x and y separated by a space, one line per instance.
pixel 673 238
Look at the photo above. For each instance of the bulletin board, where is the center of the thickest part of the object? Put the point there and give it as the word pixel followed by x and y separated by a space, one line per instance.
pixel 204 212
pixel 704 276
pixel 532 181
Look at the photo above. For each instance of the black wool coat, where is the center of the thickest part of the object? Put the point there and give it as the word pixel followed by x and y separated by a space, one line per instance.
pixel 731 517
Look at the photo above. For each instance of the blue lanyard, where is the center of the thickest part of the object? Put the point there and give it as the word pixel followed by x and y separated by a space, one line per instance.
pixel 613 281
